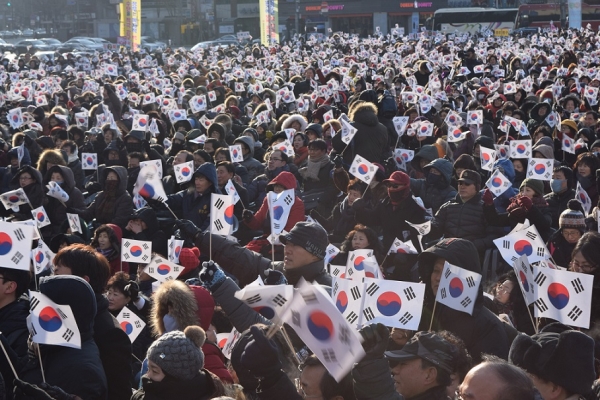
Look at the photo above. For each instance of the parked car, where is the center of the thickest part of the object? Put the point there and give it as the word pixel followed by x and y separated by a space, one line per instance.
pixel 31 46
pixel 6 47
pixel 92 43
pixel 54 44
pixel 203 45
pixel 75 44
pixel 151 45
pixel 28 32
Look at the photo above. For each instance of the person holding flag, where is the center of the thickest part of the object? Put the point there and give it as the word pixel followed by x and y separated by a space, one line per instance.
pixel 509 300
pixel 585 260
pixel 482 331
pixel 30 180
pixel 571 227
pixel 14 309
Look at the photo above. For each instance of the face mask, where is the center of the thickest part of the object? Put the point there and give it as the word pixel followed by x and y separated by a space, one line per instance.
pixel 433 179
pixel 556 185
pixel 133 147
pixel 398 195
pixel 111 186
pixel 170 323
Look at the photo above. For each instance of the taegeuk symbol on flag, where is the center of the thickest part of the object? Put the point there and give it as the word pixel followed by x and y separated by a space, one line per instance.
pixel 174 249
pixel 184 171
pixel 540 168
pixel 348 297
pixel 458 288
pixel 525 242
pixel 89 161
pixel 363 169
pixel 131 323
pixel 498 183
pixel 221 214
pixel 136 251
pixel 162 270
pixel 51 323
pixel 269 301
pixel 41 217
pixel 15 245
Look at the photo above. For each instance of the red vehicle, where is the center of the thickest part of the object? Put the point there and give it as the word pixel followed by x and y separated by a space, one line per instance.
pixel 540 15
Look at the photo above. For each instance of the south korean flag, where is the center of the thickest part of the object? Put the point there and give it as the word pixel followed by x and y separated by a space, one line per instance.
pixel 360 264
pixel 520 148
pixel 524 273
pixel 488 156
pixel 526 242
pixel 15 245
pixel 235 152
pixel 563 296
pixel 13 199
pixel 280 205
pixel 330 252
pixel 269 301
pixel 221 214
pixel 184 171
pixel 89 161
pixel 51 323
pixel 41 217
pixel 393 303
pixel 502 151
pixel 348 297
pixel 74 223
pixel 232 191
pixel 403 156
pixel 400 124
pixel 131 324
pixel 540 169
pixel 42 257
pixel 498 183
pixel 163 270
pixel 584 198
pixel 136 251
pixel 458 288
pixel 363 169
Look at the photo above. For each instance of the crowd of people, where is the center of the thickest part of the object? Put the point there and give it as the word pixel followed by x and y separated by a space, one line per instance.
pixel 301 113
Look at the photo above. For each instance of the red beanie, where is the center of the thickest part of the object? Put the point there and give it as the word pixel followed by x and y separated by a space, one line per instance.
pixel 189 259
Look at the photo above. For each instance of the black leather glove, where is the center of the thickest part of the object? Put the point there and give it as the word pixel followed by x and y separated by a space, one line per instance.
pixel 275 277
pixel 132 290
pixel 188 230
pixel 24 390
pixel 211 275
pixel 247 215
pixel 375 342
pixel 338 161
pixel 260 355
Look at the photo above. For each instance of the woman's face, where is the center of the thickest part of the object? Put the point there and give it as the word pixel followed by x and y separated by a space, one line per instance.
pixel 353 195
pixel 296 125
pixel 116 299
pixel 112 176
pixel 198 160
pixel 57 177
pixel 155 373
pixel 360 241
pixel 584 170
pixel 108 136
pixel 572 236
pixel 517 96
pixel 518 166
pixel 527 191
pixel 503 291
pixel 25 179
pixel 298 142
pixel 582 265
pixel 103 241
pixel 220 157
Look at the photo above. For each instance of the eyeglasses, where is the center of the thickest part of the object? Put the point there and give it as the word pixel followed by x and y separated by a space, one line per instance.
pixel 587 268
pixel 571 234
pixel 275 159
pixel 502 289
pixel 301 391
pixel 25 178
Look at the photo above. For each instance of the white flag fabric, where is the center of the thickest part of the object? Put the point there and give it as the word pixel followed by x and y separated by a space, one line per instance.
pixel 502 151
pixel 458 288
pixel 269 301
pixel 221 214
pixel 488 156
pixel 280 206
pixel 174 248
pixel 141 122
pixel 149 184
pixel 425 128
pixel 360 264
pixel 520 148
pixel 348 132
pixel 563 295
pixel 156 166
pixel 74 223
pixel 524 274
pixel 15 118
pixel 41 217
pixel 89 161
pixel 286 147
pixel 568 144
pixel 232 191
pixel 403 156
pixel 15 245
pixel 162 269
pixel 13 199
pixel 393 303
pixel 526 242
pixel 54 190
pixel 456 134
pixel 540 168
pixel 347 295
pixel 131 324
pixel 330 252
pixel 235 152
pixel 81 119
pixel 184 171
pixel 422 229
pixel 136 251
pixel 584 199
pixel 363 169
pixel 52 323
pixel 21 152
pixel 498 183
pixel 323 329
pixel 177 115
pixel 232 339
pixel 42 257
pixel 139 201
pixel 400 124
pixel 400 247
pixel 198 103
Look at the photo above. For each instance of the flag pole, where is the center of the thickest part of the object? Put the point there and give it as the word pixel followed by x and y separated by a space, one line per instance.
pixel 41 365
pixel 12 367
pixel 289 343
pixel 532 321
pixel 210 235
pixel 432 315
pixel 169 208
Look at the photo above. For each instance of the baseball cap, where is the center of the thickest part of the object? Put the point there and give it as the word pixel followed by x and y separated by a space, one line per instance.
pixel 427 346
pixel 308 235
pixel 470 177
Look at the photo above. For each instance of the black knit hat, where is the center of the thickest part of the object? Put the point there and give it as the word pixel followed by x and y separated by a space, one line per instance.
pixel 308 235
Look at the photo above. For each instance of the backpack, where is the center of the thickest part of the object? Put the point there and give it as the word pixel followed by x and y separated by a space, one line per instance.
pixel 386 104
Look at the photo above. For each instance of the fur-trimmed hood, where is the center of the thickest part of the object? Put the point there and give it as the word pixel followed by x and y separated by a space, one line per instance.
pixel 176 299
pixel 288 122
pixel 364 113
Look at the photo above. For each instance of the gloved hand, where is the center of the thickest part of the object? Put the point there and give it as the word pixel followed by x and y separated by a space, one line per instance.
pixel 187 229
pixel 525 202
pixel 132 290
pixel 247 215
pixel 212 275
pixel 488 197
pixel 274 277
pixel 338 161
pixel 390 164
pixel 515 211
pixel 375 342
pixel 57 393
pixel 260 355
pixel 24 390
pixel 359 204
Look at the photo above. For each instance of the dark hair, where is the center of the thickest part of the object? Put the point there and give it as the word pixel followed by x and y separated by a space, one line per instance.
pixel 205 156
pixel 228 166
pixel 588 159
pixel 121 282
pixel 318 144
pixel 85 261
pixel 224 151
pixel 463 361
pixel 284 157
pixel 70 144
pixel 568 173
pixel 589 246
pixel 329 386
pixel 356 184
pixel 517 385
pixel 374 243
pixel 304 138
pixel 136 154
pixel 214 142
pixel 188 156
pixel 21 277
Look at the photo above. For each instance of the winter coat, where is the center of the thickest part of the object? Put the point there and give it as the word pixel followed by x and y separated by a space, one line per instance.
pixel 152 233
pixel 557 203
pixel 482 331
pixel 560 249
pixel 261 220
pixel 257 188
pixel 202 387
pixel 392 222
pixel 434 196
pixel 370 140
pixel 78 174
pixel 13 325
pixel 57 212
pixel 373 380
pixel 457 219
pixel 253 166
pixel 341 221
pixel 246 265
pixel 123 204
pixel 188 204
pixel 34 191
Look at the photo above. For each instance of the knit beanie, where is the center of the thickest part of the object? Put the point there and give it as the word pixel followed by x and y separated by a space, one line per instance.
pixel 572 217
pixel 535 184
pixel 189 259
pixel 178 353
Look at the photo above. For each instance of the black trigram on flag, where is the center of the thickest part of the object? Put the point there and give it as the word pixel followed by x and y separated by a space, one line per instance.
pixel 296 318
pixel 466 301
pixel 344 335
pixel 577 285
pixel 19 234
pixel 335 288
pixel 350 271
pixel 447 273
pixel 145 257
pixel 540 251
pixel 309 298
pixel 372 289
pixel 352 317
pixel 368 314
pixel 540 278
pixel 33 303
pixel 126 244
pixel 62 314
pixel 126 315
pixel 541 305
pixel 151 270
pixel 254 299
pixel 219 203
pixel 409 293
pixel 145 246
pixel 575 313
pixel 470 281
pixel 406 318
pixel 329 355
pixel 33 331
pixel 443 293
pixel 336 271
pixel 288 200
pixel 506 244
pixel 355 292
pixel 17 257
pixel 531 235
pixel 176 268
pixel 218 224
pixel 279 300
pixel 68 335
